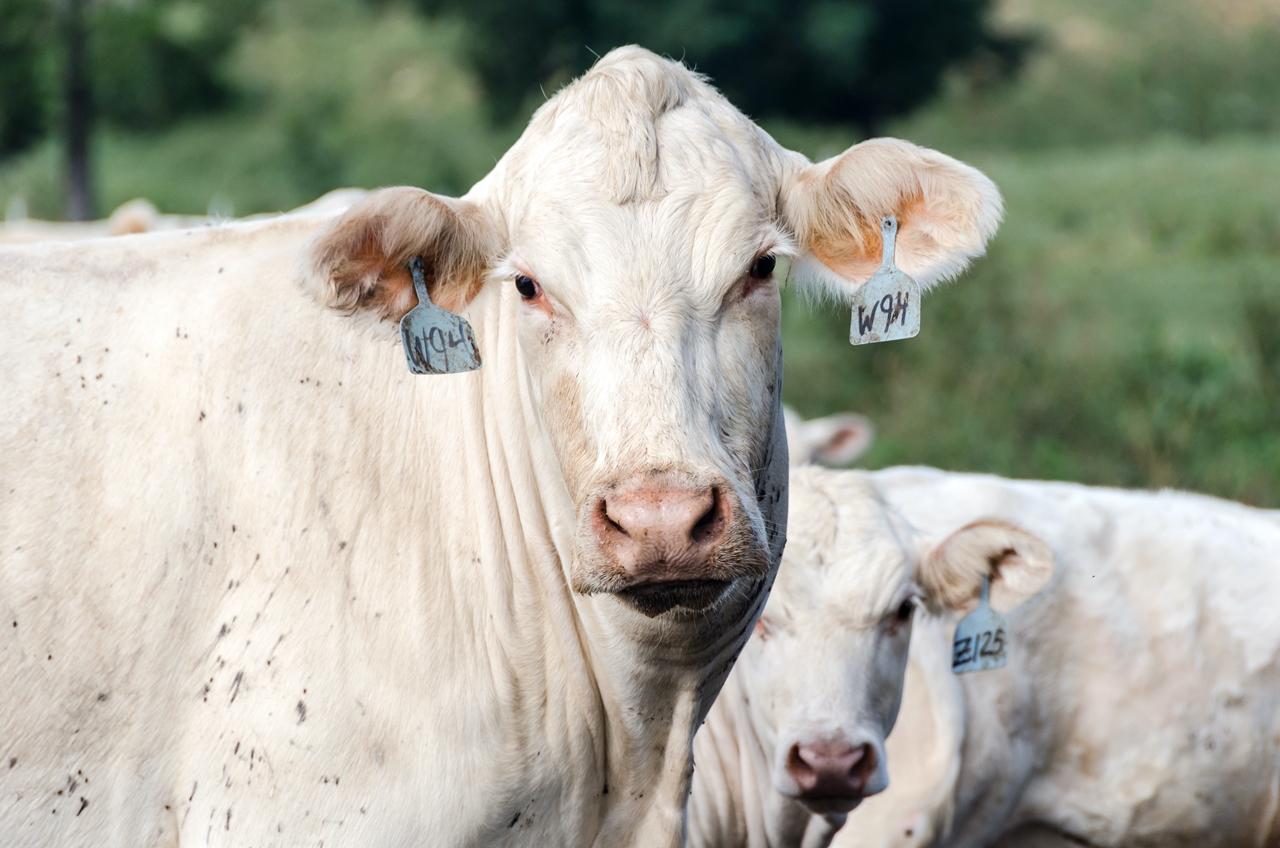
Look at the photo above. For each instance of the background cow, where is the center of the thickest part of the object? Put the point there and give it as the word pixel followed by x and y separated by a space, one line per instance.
pixel 796 739
pixel 833 440
pixel 263 586
pixel 1141 703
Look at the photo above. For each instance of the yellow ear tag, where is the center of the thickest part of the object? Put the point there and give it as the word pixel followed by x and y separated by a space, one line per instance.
pixel 887 306
pixel 435 340
pixel 982 637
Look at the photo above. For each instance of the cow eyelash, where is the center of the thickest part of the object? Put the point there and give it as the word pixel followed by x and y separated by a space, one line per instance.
pixel 527 286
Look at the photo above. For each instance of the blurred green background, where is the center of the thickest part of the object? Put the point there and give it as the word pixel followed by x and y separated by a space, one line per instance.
pixel 1123 329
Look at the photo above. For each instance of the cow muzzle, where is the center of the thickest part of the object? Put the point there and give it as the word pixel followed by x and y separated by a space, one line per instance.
pixel 831 775
pixel 666 542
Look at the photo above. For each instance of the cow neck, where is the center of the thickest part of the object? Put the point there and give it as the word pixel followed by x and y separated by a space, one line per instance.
pixel 641 695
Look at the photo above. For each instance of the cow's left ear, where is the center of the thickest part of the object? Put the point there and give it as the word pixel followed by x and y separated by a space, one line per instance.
pixel 359 263
pixel 946 211
pixel 1019 562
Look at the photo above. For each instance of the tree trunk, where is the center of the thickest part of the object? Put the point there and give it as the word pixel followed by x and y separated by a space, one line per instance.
pixel 79 115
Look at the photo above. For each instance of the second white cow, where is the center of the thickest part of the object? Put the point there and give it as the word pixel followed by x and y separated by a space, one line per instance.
pixel 1140 706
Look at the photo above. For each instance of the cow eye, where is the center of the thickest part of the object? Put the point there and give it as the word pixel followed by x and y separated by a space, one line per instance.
pixel 905 610
pixel 762 267
pixel 527 286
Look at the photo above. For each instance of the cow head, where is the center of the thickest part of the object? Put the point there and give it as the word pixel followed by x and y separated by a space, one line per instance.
pixel 631 235
pixel 825 667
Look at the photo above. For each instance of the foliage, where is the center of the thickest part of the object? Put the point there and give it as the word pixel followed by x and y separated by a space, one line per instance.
pixel 1109 71
pixel 24 80
pixel 1123 330
pixel 152 62
pixel 331 97
pixel 845 61
pixel 155 61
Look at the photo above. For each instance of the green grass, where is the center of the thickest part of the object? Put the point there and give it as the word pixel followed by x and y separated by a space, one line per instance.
pixel 1123 329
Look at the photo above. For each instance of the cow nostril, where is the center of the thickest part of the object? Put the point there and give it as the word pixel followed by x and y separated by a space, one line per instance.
pixel 864 767
pixel 606 520
pixel 800 770
pixel 711 524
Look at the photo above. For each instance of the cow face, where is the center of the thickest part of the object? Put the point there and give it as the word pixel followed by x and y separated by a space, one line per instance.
pixel 632 235
pixel 826 664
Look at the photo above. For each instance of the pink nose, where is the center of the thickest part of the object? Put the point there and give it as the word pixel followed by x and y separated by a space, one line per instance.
pixel 657 534
pixel 831 769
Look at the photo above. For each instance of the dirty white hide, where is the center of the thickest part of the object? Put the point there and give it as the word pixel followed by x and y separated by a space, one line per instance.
pixel 1141 703
pixel 262 586
pixel 831 440
pixel 796 739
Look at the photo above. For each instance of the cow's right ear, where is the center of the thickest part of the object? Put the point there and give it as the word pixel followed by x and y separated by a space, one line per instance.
pixel 359 263
pixel 1019 563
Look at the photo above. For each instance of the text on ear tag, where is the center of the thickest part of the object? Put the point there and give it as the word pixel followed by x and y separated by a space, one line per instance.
pixel 435 340
pixel 887 306
pixel 982 637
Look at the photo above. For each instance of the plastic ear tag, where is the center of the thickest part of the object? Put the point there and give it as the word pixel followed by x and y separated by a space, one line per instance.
pixel 887 306
pixel 982 637
pixel 435 340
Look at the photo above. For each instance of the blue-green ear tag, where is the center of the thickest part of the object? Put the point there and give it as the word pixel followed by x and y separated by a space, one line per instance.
pixel 887 306
pixel 435 340
pixel 982 637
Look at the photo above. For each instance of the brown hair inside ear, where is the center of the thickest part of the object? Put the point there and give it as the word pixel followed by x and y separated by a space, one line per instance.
pixel 362 259
pixel 1018 562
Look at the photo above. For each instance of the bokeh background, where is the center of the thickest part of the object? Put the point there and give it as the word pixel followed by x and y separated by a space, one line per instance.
pixel 1123 329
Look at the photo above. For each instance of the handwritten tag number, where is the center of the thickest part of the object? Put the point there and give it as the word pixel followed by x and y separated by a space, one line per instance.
pixel 887 306
pixel 981 637
pixel 435 340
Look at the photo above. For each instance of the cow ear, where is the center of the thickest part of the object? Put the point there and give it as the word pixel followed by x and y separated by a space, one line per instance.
pixel 946 211
pixel 1018 562
pixel 359 263
pixel 834 440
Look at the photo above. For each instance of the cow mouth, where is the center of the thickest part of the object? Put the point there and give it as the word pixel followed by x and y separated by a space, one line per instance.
pixel 653 599
pixel 830 805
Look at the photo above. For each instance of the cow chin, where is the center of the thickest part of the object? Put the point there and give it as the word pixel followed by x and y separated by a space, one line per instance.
pixel 669 546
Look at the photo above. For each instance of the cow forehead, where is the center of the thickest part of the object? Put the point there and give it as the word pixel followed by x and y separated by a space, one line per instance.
pixel 847 557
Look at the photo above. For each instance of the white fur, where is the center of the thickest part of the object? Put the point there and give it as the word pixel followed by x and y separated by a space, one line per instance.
pixel 262 586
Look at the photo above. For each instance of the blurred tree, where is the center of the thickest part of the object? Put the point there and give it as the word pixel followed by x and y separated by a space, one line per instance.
pixel 24 100
pixel 846 61
pixel 78 118
pixel 140 64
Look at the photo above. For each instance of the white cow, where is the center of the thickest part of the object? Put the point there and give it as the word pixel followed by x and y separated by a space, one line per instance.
pixel 1140 706
pixel 262 586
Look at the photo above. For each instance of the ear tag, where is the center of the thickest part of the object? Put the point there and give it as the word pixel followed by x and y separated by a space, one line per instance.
pixel 981 640
pixel 887 306
pixel 435 340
